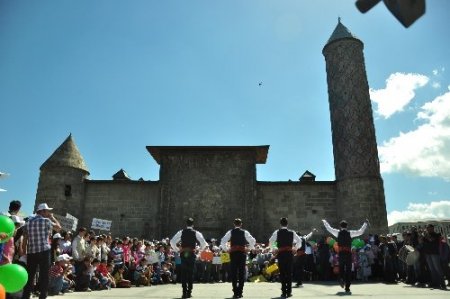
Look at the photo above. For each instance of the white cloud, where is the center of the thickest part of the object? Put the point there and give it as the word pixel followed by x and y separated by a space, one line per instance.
pixel 398 93
pixel 436 210
pixel 436 85
pixel 424 151
pixel 437 72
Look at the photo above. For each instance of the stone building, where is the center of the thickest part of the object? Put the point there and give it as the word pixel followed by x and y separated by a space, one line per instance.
pixel 440 226
pixel 215 184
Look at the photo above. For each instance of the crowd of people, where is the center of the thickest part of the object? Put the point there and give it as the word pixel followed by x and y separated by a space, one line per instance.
pixel 85 261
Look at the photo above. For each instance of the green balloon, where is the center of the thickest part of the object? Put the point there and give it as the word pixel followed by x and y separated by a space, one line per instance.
pixel 358 243
pixel 13 277
pixel 331 242
pixel 6 226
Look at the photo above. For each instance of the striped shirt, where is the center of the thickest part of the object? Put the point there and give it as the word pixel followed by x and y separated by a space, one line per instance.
pixel 38 230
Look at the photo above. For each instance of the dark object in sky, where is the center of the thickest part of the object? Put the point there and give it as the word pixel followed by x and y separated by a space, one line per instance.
pixel 260 83
pixel 406 11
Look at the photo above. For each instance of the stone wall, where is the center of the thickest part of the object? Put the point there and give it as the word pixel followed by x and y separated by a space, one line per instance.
pixel 213 187
pixel 51 189
pixel 305 204
pixel 131 205
pixel 361 198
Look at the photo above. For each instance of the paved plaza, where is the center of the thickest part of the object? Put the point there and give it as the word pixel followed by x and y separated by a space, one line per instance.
pixel 265 290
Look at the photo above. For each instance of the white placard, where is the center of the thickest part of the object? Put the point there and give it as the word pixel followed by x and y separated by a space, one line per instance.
pixel 66 223
pixel 75 221
pixel 101 224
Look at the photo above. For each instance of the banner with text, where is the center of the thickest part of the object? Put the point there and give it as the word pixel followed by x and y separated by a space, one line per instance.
pixel 75 221
pixel 101 224
pixel 66 223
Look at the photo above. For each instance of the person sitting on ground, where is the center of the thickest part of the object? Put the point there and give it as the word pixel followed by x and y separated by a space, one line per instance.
pixel 142 274
pixel 121 282
pixel 57 284
pixel 94 283
pixel 103 274
pixel 83 276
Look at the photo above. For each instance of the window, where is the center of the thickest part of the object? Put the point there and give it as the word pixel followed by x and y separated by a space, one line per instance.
pixel 68 190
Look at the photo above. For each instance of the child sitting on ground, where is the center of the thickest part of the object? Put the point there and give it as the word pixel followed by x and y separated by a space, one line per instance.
pixel 118 277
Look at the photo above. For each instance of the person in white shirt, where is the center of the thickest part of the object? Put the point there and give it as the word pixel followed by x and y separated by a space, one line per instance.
pixel 285 239
pixel 188 237
pixel 238 238
pixel 344 239
pixel 301 258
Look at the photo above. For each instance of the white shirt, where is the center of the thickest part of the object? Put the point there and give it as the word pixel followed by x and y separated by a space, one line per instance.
pixel 251 241
pixel 353 233
pixel 297 240
pixel 177 238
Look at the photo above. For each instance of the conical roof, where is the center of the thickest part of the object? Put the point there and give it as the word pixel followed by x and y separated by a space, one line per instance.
pixel 66 155
pixel 121 175
pixel 341 32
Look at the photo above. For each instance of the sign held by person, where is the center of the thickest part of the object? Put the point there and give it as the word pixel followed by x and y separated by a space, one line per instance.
pixel 101 224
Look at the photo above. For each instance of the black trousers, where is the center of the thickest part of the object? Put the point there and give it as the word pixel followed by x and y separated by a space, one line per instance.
pixel 345 268
pixel 187 271
pixel 41 259
pixel 285 260
pixel 237 271
pixel 299 267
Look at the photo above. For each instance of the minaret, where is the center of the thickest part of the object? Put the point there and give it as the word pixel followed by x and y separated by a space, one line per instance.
pixel 61 180
pixel 360 191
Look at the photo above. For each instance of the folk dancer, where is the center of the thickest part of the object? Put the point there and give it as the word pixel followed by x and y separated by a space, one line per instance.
pixel 344 239
pixel 188 237
pixel 300 258
pixel 285 238
pixel 238 238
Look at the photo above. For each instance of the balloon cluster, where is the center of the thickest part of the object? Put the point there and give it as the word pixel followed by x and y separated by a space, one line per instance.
pixel 356 243
pixel 332 243
pixel 13 277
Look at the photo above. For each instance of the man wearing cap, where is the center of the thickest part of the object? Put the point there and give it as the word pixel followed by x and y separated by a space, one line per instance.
pixel 344 239
pixel 57 285
pixel 284 239
pixel 188 237
pixel 37 246
pixel 238 238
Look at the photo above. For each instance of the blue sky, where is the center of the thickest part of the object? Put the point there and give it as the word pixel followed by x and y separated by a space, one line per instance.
pixel 121 75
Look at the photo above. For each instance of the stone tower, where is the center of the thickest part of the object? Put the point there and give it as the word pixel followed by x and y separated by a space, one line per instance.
pixel 360 191
pixel 61 179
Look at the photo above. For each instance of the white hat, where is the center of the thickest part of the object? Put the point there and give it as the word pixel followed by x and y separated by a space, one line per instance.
pixel 57 236
pixel 43 206
pixel 60 258
pixel 63 257
pixel 66 256
pixel 16 219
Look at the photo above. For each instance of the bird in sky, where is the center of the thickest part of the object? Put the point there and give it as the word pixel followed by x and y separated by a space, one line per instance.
pixel 260 83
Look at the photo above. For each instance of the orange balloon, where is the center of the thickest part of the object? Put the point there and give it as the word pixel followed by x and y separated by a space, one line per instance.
pixel 2 292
